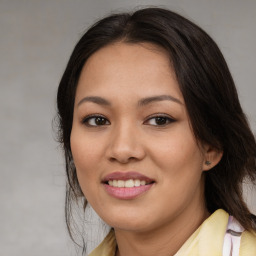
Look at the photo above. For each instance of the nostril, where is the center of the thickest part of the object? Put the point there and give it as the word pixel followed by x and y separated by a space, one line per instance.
pixel 122 160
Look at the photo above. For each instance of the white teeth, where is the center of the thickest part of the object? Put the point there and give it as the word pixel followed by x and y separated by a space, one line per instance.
pixel 143 182
pixel 120 183
pixel 137 183
pixel 114 183
pixel 127 183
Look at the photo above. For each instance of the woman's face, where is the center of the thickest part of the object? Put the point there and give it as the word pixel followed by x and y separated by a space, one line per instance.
pixel 137 160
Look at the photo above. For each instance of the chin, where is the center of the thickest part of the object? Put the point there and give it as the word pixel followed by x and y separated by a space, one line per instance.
pixel 129 220
pixel 131 226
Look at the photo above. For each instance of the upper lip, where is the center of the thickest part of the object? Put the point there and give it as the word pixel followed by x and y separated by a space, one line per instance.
pixel 126 176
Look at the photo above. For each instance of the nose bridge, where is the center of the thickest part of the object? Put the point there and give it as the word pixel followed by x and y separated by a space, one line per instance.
pixel 125 142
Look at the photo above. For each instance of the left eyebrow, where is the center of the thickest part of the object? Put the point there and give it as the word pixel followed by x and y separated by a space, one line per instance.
pixel 148 100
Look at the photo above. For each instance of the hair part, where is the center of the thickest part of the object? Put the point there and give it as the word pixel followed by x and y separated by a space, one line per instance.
pixel 209 93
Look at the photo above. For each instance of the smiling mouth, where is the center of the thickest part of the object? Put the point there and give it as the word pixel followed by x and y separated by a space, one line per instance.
pixel 130 183
pixel 127 185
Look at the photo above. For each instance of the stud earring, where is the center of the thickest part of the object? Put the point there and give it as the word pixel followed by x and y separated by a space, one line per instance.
pixel 208 163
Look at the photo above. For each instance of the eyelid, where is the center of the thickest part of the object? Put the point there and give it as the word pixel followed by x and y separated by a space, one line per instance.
pixel 85 119
pixel 167 116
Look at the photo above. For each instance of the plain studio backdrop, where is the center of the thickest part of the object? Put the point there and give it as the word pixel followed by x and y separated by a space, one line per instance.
pixel 37 37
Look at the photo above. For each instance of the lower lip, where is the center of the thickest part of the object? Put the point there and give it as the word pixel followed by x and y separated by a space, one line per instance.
pixel 127 193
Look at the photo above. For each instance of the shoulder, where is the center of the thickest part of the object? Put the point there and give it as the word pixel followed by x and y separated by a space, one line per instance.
pixel 248 244
pixel 107 247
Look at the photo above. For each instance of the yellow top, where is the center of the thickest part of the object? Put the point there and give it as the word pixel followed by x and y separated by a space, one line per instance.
pixel 107 247
pixel 207 240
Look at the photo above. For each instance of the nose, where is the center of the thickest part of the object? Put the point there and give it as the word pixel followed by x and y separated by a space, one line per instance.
pixel 125 145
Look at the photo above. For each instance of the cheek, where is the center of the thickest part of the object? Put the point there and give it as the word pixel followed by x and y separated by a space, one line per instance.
pixel 180 161
pixel 177 150
pixel 85 150
pixel 86 156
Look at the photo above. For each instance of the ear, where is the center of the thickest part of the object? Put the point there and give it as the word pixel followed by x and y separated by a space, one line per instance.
pixel 212 157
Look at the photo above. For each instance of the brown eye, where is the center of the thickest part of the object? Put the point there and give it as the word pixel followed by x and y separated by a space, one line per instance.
pixel 159 120
pixel 96 121
pixel 100 121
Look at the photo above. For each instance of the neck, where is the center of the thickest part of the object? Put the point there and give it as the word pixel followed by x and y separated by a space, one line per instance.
pixel 163 241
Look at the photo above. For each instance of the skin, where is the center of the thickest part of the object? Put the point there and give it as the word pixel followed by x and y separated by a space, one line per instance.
pixel 159 221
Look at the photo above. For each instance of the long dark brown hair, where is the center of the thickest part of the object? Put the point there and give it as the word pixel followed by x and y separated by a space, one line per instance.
pixel 208 89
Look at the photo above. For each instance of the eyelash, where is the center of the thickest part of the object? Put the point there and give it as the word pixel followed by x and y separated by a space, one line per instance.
pixel 165 117
pixel 90 117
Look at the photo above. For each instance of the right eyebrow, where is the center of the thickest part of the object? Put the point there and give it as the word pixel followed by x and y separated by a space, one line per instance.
pixel 94 99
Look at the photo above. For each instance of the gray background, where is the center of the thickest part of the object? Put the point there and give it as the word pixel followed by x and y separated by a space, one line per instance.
pixel 36 40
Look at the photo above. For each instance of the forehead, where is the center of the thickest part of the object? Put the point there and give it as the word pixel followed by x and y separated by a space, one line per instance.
pixel 127 65
pixel 122 53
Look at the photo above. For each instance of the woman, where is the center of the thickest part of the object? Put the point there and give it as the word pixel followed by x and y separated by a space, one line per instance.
pixel 155 138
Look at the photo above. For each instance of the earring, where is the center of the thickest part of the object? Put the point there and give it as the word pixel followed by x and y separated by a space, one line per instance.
pixel 208 162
